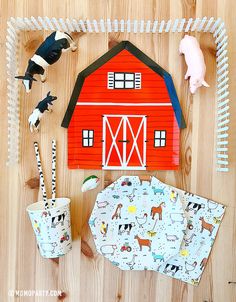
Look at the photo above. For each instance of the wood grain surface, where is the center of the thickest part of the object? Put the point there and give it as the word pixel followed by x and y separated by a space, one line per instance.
pixel 85 276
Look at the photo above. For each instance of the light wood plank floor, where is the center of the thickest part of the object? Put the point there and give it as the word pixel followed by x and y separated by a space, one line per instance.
pixel 96 280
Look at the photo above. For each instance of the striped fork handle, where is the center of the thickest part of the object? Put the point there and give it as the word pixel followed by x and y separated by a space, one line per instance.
pixel 42 184
pixel 53 172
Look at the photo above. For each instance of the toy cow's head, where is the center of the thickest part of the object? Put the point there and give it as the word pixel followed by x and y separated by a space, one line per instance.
pixel 27 81
pixel 50 98
pixel 196 83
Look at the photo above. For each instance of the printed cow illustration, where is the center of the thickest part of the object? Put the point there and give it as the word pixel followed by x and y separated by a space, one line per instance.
pixel 195 207
pixel 59 219
pixel 126 227
pixel 172 269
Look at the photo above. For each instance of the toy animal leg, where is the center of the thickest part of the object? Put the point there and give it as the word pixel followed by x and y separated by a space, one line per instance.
pixel 65 49
pixel 73 46
pixel 186 75
pixel 43 77
pixel 33 128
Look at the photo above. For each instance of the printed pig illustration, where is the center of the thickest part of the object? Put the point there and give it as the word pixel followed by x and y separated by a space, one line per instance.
pixel 171 237
pixel 102 204
pixel 189 46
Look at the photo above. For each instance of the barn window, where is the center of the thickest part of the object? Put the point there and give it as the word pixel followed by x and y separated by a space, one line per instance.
pixel 88 138
pixel 123 80
pixel 159 138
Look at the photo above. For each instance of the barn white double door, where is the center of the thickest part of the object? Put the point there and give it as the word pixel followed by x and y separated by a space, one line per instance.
pixel 124 142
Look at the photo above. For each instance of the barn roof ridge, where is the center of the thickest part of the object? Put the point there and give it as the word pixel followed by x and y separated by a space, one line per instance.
pixel 108 56
pixel 117 49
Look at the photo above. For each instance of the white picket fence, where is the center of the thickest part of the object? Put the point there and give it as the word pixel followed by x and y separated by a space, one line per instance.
pixel 216 27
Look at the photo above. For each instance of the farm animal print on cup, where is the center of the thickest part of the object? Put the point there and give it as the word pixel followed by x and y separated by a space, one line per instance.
pixel 48 53
pixel 59 219
pixel 48 247
pixel 172 232
pixel 52 227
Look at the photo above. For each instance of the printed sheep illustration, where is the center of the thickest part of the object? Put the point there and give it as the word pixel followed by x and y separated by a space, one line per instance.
pixel 108 249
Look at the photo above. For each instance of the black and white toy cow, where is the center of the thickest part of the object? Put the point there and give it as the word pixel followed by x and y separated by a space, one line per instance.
pixel 47 54
pixel 36 115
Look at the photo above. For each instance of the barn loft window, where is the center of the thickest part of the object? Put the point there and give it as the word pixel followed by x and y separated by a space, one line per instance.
pixel 159 138
pixel 124 80
pixel 88 138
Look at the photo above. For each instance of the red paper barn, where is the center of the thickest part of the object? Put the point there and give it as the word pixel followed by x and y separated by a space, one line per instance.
pixel 124 114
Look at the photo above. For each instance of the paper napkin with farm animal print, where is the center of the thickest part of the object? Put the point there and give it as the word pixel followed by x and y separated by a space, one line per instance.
pixel 142 225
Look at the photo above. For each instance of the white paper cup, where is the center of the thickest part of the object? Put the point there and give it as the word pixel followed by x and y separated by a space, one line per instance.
pixel 52 227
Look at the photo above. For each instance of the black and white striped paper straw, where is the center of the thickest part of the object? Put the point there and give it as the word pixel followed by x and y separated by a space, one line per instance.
pixel 54 148
pixel 42 184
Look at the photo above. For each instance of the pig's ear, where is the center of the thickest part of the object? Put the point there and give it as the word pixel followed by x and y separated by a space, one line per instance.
pixel 204 83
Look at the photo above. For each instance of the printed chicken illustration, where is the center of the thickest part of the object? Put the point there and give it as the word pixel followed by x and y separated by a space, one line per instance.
pixel 141 220
pixel 190 267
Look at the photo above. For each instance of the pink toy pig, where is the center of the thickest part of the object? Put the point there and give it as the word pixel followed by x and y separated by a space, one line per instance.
pixel 189 46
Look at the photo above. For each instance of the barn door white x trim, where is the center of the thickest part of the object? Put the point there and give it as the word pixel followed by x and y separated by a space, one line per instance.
pixel 125 157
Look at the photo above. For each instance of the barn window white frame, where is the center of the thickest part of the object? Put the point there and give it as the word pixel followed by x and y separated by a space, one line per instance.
pixel 159 138
pixel 124 80
pixel 87 138
pixel 204 25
